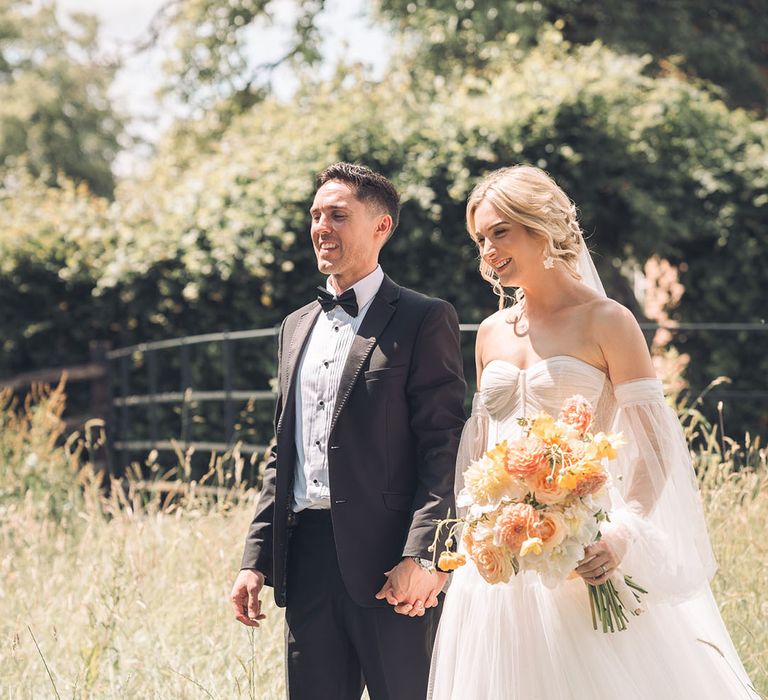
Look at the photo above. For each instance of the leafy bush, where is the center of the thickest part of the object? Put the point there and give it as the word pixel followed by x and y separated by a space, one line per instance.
pixel 216 236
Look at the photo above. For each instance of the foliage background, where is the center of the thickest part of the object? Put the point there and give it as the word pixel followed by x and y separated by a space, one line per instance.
pixel 628 109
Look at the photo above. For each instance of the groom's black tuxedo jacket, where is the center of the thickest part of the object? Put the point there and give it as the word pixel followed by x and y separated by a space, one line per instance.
pixel 392 445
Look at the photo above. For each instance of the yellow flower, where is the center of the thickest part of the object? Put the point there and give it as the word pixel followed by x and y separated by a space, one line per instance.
pixel 544 427
pixel 533 545
pixel 606 445
pixel 487 479
pixel 449 561
pixel 499 455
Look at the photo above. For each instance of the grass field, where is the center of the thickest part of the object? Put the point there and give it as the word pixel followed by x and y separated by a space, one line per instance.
pixel 128 597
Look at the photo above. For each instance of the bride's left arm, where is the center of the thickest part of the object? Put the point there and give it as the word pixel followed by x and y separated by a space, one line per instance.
pixel 657 526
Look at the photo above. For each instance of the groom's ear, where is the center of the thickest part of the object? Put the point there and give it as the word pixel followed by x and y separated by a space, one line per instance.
pixel 383 228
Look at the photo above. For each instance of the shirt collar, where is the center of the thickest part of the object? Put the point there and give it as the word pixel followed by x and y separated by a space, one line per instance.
pixel 365 289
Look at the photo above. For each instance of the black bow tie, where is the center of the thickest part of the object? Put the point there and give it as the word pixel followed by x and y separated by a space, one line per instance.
pixel 347 301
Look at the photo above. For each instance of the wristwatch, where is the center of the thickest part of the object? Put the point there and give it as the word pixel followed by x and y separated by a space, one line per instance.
pixel 425 564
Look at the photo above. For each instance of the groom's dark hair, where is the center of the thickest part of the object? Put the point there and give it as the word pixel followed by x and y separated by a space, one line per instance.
pixel 369 187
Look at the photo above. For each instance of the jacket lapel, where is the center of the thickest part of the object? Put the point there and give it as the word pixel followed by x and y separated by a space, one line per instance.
pixel 376 318
pixel 299 339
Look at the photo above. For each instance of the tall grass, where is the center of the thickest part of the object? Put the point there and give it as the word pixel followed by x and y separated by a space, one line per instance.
pixel 126 596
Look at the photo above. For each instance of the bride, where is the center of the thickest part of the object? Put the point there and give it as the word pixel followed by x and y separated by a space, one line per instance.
pixel 563 336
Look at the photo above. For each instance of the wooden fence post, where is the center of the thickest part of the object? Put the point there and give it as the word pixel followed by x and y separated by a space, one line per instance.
pixel 101 405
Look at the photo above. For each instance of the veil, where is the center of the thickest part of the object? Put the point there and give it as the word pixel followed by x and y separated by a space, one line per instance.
pixel 585 266
pixel 657 519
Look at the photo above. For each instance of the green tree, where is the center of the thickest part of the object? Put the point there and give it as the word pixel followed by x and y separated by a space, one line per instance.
pixel 717 40
pixel 218 240
pixel 55 114
pixel 211 65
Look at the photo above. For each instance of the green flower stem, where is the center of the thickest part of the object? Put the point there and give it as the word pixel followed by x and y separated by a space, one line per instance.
pixel 605 603
pixel 632 584
pixel 591 590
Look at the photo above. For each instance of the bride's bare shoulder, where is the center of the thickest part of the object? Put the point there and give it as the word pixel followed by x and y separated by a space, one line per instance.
pixel 490 327
pixel 605 313
pixel 499 319
pixel 621 340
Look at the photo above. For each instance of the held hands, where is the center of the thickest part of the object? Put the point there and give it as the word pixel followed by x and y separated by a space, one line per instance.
pixel 411 589
pixel 245 597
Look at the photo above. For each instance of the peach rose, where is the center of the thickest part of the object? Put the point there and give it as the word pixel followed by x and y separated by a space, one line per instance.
pixel 577 412
pixel 526 456
pixel 550 529
pixel 493 563
pixel 514 525
pixel 545 487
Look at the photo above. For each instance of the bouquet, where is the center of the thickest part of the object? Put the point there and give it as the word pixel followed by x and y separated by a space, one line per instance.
pixel 535 503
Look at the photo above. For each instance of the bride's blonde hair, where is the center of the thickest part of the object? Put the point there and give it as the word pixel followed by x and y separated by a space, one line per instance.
pixel 530 197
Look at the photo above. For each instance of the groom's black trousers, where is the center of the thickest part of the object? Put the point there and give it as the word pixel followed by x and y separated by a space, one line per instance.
pixel 334 646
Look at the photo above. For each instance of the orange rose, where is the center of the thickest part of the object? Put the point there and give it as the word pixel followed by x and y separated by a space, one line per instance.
pixel 577 412
pixel 514 525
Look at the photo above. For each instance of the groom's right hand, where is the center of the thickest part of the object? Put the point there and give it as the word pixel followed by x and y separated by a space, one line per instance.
pixel 410 589
pixel 245 597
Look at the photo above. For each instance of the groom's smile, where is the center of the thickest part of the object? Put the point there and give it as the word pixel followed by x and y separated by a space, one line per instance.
pixel 347 234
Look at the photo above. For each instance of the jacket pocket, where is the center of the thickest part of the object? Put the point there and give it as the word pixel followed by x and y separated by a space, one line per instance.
pixel 398 501
pixel 385 373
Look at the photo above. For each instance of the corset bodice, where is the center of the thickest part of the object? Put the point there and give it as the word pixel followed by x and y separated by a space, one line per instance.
pixel 508 392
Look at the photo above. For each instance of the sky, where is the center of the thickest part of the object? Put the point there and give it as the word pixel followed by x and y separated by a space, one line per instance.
pixel 345 26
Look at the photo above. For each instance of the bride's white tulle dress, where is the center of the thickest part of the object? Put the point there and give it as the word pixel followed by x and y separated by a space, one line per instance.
pixel 524 641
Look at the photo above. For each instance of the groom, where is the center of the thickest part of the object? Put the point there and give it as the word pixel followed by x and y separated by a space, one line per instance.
pixel 369 413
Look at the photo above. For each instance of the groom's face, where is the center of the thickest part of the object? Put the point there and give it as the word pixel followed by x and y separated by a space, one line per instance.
pixel 347 234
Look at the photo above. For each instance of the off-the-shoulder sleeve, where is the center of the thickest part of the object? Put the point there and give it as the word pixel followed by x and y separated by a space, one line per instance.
pixel 473 443
pixel 657 507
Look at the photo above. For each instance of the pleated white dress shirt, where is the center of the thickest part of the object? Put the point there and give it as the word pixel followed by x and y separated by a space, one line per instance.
pixel 319 375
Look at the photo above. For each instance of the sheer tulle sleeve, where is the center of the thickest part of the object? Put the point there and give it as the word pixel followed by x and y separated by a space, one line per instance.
pixel 473 443
pixel 657 515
